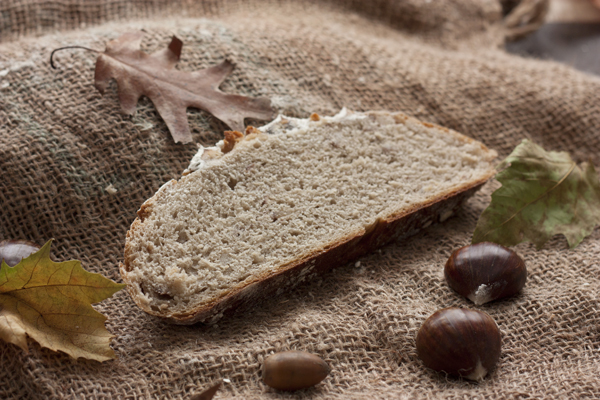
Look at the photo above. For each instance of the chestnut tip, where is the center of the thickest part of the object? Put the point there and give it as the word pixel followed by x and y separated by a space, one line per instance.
pixel 13 251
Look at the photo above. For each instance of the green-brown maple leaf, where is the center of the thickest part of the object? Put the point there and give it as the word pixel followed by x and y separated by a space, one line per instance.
pixel 542 194
pixel 51 303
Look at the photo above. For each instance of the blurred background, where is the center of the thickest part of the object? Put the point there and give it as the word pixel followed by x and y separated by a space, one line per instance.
pixel 571 35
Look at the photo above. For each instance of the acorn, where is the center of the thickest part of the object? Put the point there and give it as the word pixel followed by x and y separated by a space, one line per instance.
pixel 293 370
pixel 459 342
pixel 13 251
pixel 485 272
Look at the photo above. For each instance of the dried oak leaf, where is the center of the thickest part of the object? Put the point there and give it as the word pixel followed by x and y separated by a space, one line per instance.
pixel 51 303
pixel 209 393
pixel 172 91
pixel 542 194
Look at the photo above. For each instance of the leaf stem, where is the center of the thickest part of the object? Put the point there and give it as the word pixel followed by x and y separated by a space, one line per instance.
pixel 68 47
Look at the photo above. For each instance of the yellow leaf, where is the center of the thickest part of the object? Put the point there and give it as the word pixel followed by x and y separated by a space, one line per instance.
pixel 51 303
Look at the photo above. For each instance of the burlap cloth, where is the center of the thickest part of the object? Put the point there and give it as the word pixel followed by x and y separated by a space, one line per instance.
pixel 62 146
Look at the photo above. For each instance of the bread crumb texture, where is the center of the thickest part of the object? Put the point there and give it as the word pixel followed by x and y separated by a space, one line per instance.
pixel 283 194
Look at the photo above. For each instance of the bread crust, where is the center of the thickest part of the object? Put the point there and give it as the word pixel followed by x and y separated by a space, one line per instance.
pixel 355 244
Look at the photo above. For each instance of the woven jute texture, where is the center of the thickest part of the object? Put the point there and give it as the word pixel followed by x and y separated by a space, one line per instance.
pixel 64 148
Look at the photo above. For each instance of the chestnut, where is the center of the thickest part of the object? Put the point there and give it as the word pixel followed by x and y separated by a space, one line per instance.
pixel 459 342
pixel 293 370
pixel 485 271
pixel 13 251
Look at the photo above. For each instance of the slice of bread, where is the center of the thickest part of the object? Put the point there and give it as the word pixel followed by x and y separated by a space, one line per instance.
pixel 264 211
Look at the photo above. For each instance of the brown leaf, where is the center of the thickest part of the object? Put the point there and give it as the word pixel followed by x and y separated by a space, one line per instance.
pixel 209 393
pixel 172 91
pixel 51 303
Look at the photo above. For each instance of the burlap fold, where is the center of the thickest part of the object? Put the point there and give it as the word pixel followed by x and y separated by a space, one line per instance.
pixel 64 148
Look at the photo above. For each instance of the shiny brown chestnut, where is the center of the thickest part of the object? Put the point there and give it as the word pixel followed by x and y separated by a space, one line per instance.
pixel 293 370
pixel 485 272
pixel 459 342
pixel 13 251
